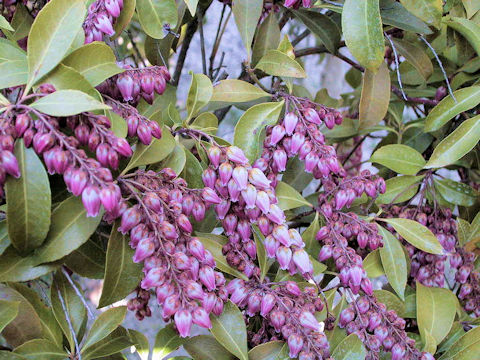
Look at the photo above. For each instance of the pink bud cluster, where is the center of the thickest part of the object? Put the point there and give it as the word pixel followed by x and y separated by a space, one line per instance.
pixel 100 18
pixel 243 196
pixel 175 264
pixel 298 134
pixel 298 3
pixel 469 277
pixel 8 161
pixel 379 328
pixel 288 314
pixel 133 84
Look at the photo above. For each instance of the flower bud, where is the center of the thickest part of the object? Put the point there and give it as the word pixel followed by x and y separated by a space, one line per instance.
pixel 290 122
pixel 210 196
pixel 91 200
pixel 295 344
pixel 207 277
pixel 183 322
pixel 267 304
pixel 201 318
pixel 144 249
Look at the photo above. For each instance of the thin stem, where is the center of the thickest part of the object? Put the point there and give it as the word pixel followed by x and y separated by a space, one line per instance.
pixel 417 100
pixel 69 323
pixel 214 48
pixel 191 29
pixel 252 75
pixel 202 42
pixel 397 66
pixel 79 294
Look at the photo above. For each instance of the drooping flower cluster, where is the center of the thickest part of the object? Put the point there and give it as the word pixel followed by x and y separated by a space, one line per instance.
pixel 243 196
pixel 379 328
pixel 287 313
pixel 175 263
pixel 295 4
pixel 298 134
pixel 469 278
pixel 8 7
pixel 133 84
pixel 100 19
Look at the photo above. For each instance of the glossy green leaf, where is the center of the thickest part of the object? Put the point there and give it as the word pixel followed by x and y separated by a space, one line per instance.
pixel 125 16
pixel 436 309
pixel 429 11
pixel 206 122
pixel 373 264
pixel 471 7
pixel 233 91
pixel 456 192
pixel 167 340
pixel 417 235
pixel 394 13
pixel 8 312
pixel 247 14
pixel 141 342
pixel 14 267
pixel 221 262
pixel 230 331
pixel 13 65
pixel 288 197
pixel 199 95
pixel 312 246
pixel 457 144
pixel 469 29
pixel 322 26
pixel 399 189
pixel 4 24
pixel 447 109
pixel 390 300
pixel 8 355
pixel 251 124
pixel 393 261
pixel 158 150
pixel 66 78
pixel 22 22
pixel 122 275
pixel 192 173
pixel 416 56
pixel 375 96
pixel 276 63
pixel 88 260
pixel 266 351
pixel 205 347
pixel 263 261
pixel 95 61
pixel 362 29
pixel 104 324
pixel 465 348
pixel 41 349
pixel 295 174
pixel 176 160
pixel 155 14
pixel 67 103
pixel 53 32
pixel 350 348
pixel 400 158
pixel 70 228
pixel 112 344
pixel 29 201
pixel 268 37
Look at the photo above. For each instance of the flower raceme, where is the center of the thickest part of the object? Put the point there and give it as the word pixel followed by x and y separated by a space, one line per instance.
pixel 100 19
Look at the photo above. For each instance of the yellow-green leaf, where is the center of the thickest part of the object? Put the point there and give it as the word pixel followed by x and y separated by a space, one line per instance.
pixel 469 29
pixel 199 95
pixel 247 13
pixel 375 96
pixel 235 91
pixel 429 11
pixel 416 56
pixel 400 158
pixel 155 14
pixel 276 63
pixel 465 348
pixel 399 189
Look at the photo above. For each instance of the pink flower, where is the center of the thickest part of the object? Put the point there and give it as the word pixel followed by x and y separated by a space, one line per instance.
pixel 183 322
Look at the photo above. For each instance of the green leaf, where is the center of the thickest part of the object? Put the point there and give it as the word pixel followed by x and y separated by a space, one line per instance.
pixel 112 344
pixel 236 91
pixel 66 78
pixel 8 355
pixel 73 305
pixel 176 160
pixel 192 6
pixel 155 14
pixel 456 192
pixel 4 24
pixel 266 351
pixel 463 231
pixel 375 96
pixel 268 37
pixel 429 11
pixel 207 122
pixel 221 262
pixel 263 261
pixel 393 13
pixel 276 63
pixel 456 145
pixel 122 275
pixel 399 189
pixel 416 56
pixel 199 95
pixel 417 235
pixel 295 174
pixel 393 261
pixel 465 348
pixel 141 342
pixel 104 324
pixel 322 26
pixel 205 347
pixel 192 173
pixel 22 22
pixel 251 124
pixel 469 29
pixel 312 246
pixel 350 348
pixel 400 158
pixel 362 29
pixel 373 264
pixel 247 14
pixel 8 312
pixel 13 65
pixel 288 197
pixel 167 340
pixel 88 260
pixel 53 32
pixel 95 61
pixel 436 309
pixel 158 150
pixel 29 201
pixel 14 267
pixel 125 16
pixel 390 300
pixel 41 349
pixel 447 109
pixel 230 331
pixel 67 103
pixel 70 228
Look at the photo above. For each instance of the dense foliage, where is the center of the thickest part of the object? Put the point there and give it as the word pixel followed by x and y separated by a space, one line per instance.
pixel 324 229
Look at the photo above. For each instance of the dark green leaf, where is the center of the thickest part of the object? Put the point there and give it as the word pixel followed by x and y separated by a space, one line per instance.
pixel 393 13
pixel 41 349
pixel 155 14
pixel 400 158
pixel 29 201
pixel 166 341
pixel 125 16
pixel 22 22
pixel 267 38
pixel 276 63
pixel 8 312
pixel 350 348
pixel 14 267
pixel 390 300
pixel 266 351
pixel 113 343
pixel 416 56
pixel 199 95
pixel 263 261
pixel 176 160
pixel 399 189
pixel 104 324
pixel 469 29
pixel 205 347
pixel 88 260
pixel 456 192
pixel 66 78
pixel 193 170
pixel 288 197
pixel 312 246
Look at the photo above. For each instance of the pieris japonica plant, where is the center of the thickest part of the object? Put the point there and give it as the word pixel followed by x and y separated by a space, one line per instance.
pixel 318 228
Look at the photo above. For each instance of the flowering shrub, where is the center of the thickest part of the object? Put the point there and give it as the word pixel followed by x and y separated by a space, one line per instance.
pixel 323 229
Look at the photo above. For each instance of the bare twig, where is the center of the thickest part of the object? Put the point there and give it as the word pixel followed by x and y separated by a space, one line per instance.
pixel 78 292
pixel 202 42
pixel 69 323
pixel 191 29
pixel 397 66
